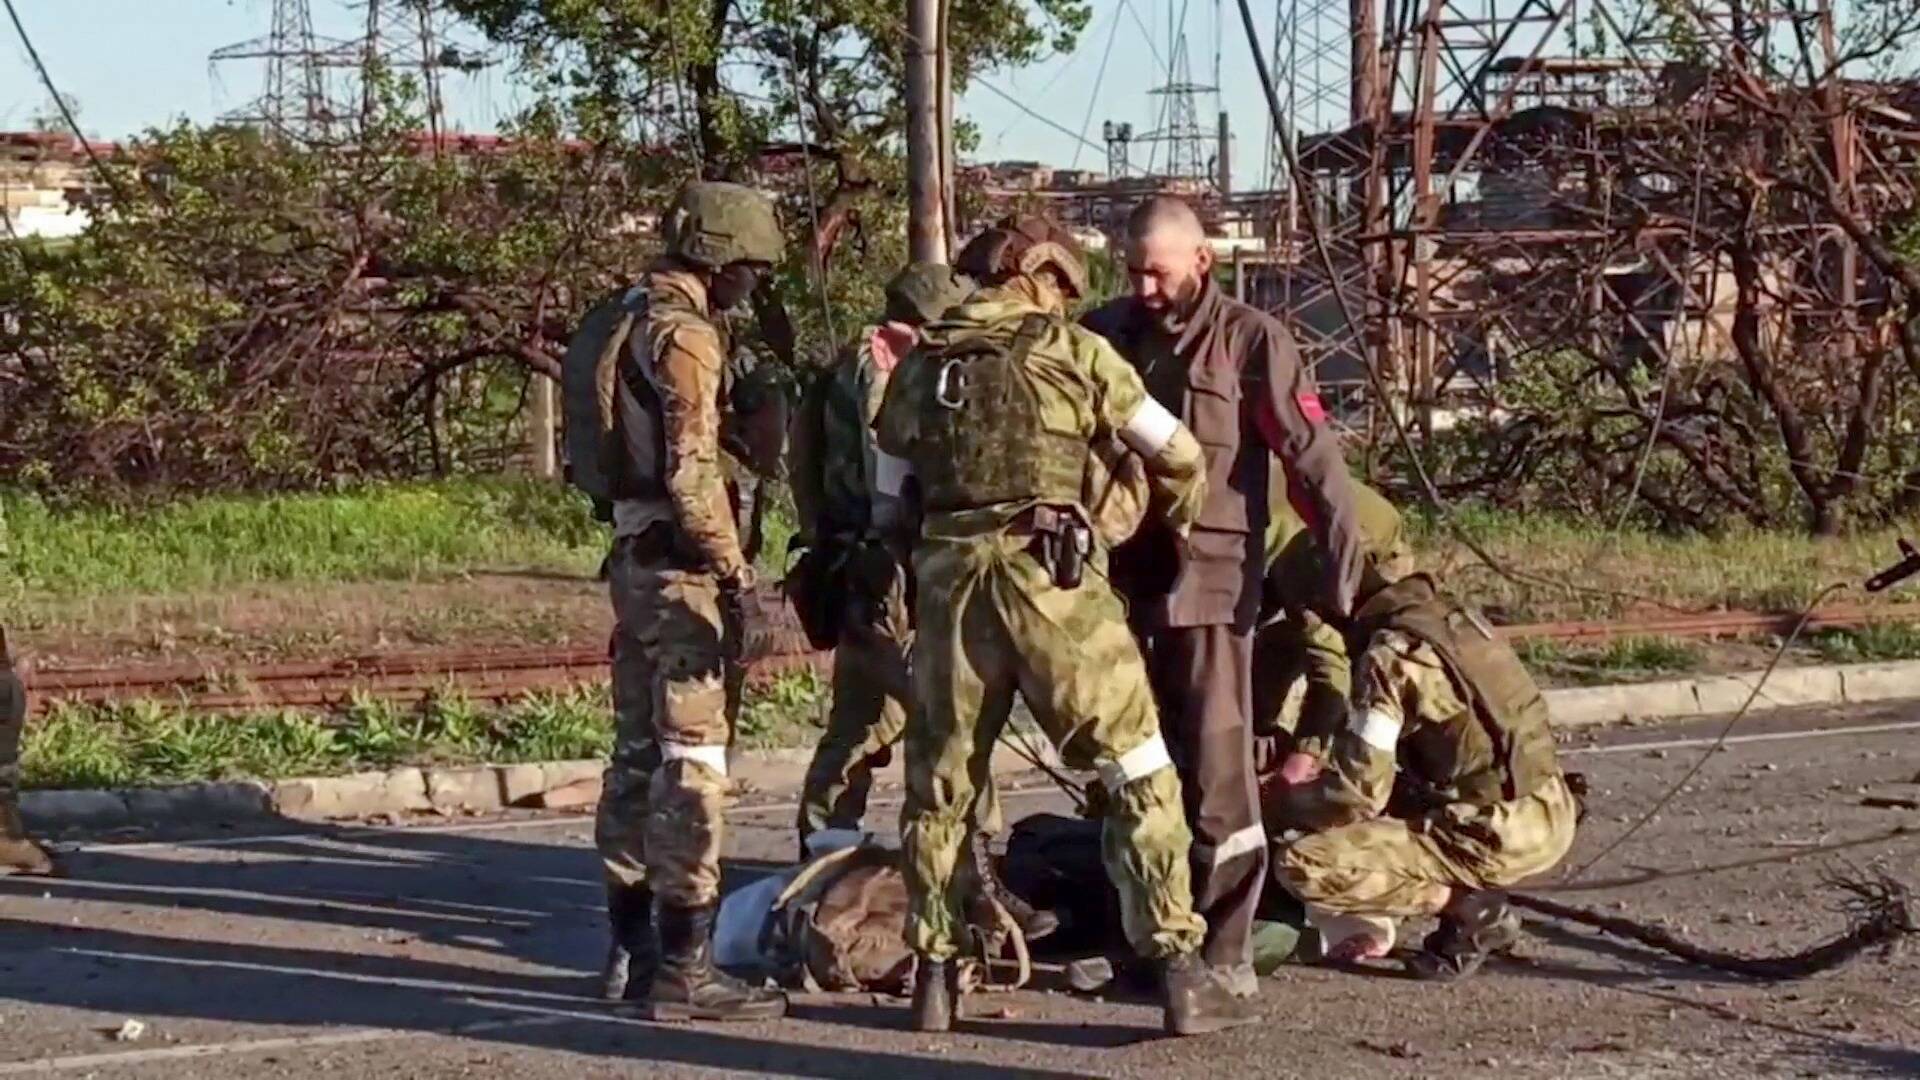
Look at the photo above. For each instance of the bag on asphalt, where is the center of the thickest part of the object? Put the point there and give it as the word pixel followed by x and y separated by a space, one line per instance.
pixel 845 928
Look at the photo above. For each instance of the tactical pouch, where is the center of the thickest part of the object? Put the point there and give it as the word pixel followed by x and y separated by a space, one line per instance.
pixel 1062 542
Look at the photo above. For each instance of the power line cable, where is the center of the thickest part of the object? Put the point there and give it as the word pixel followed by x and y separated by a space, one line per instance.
pixel 1093 99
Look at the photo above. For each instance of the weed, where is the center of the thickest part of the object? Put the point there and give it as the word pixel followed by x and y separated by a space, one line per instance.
pixel 1628 659
pixel 1877 641
pixel 785 711
pixel 156 743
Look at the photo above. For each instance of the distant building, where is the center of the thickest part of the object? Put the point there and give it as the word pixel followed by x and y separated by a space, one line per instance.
pixel 46 184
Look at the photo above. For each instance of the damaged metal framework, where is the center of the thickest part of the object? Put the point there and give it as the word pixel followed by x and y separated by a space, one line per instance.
pixel 1656 185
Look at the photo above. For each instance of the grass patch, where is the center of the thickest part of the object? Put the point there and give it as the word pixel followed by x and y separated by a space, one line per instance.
pixel 148 743
pixel 788 711
pixel 378 533
pixel 1879 641
pixel 1622 660
pixel 385 532
pixel 1577 565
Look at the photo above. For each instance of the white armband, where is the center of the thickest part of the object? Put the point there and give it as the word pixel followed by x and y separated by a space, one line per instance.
pixel 1138 763
pixel 1377 728
pixel 1149 429
pixel 713 755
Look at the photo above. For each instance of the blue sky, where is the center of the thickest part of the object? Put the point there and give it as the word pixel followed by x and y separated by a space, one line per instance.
pixel 132 64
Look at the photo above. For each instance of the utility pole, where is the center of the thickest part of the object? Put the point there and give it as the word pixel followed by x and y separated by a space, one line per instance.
pixel 926 142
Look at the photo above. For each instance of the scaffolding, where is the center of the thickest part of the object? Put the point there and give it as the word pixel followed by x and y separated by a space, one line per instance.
pixel 1481 180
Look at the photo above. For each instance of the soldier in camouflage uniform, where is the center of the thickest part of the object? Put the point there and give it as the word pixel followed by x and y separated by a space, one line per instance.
pixel 18 853
pixel 1294 645
pixel 677 571
pixel 1483 803
pixel 989 432
pixel 864 583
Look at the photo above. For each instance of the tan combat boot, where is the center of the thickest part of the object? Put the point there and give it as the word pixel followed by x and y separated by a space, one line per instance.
pixel 19 854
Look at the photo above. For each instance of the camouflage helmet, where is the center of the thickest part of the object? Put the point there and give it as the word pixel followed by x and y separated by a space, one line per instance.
pixel 1025 244
pixel 712 224
pixel 921 292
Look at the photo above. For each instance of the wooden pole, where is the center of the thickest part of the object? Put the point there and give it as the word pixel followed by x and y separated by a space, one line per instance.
pixel 926 197
pixel 546 461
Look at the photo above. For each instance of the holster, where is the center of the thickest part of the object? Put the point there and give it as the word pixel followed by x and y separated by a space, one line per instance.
pixel 1062 541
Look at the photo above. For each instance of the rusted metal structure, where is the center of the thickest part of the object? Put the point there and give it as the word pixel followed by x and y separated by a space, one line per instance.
pixel 1515 175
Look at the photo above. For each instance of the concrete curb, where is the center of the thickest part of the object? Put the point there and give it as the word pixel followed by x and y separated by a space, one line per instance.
pixel 1837 684
pixel 554 784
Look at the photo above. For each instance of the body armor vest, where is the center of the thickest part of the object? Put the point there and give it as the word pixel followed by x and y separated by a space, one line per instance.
pixel 989 437
pixel 640 468
pixel 1510 718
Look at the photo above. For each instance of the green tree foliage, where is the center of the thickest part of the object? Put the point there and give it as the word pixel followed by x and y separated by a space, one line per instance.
pixel 247 312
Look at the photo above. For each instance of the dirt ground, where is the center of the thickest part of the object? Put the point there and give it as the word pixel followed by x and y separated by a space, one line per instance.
pixel 275 623
pixel 463 950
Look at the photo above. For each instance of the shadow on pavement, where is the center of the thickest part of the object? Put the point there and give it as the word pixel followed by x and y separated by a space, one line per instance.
pixel 414 931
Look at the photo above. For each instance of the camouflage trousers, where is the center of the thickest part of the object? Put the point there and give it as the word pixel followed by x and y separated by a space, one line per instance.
pixel 992 624
pixel 13 722
pixel 676 695
pixel 1359 878
pixel 871 689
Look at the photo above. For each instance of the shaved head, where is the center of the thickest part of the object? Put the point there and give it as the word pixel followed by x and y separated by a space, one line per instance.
pixel 1168 214
pixel 1168 257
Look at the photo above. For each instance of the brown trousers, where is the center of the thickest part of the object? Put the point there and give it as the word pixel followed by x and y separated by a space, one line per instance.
pixel 1202 679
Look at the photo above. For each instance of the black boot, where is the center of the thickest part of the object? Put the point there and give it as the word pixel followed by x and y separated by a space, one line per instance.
pixel 1199 1001
pixel 632 953
pixel 1034 924
pixel 18 853
pixel 1474 926
pixel 936 995
pixel 687 986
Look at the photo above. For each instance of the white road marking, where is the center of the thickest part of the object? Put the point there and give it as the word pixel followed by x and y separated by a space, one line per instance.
pixel 1740 740
pixel 335 976
pixel 44 1066
pixel 280 900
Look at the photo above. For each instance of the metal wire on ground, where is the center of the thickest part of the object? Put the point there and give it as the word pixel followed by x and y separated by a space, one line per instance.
pixel 1719 742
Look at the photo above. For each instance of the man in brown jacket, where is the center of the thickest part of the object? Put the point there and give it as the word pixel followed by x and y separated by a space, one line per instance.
pixel 1232 374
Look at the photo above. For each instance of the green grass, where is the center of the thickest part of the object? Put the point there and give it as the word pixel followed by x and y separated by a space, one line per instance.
pixel 788 711
pixel 1629 659
pixel 149 743
pixel 1879 641
pixel 378 533
pixel 1581 569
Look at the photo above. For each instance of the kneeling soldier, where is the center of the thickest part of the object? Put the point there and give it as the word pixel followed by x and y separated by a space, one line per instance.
pixel 1439 696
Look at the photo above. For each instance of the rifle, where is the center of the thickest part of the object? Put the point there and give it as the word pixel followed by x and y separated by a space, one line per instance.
pixel 1908 566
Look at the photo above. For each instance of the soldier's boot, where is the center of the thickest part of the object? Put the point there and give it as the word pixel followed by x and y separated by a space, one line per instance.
pixel 686 985
pixel 936 995
pixel 19 854
pixel 1199 1001
pixel 633 954
pixel 1034 923
pixel 1475 925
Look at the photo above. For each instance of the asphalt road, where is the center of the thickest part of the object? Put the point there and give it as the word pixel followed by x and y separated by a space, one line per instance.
pixel 465 949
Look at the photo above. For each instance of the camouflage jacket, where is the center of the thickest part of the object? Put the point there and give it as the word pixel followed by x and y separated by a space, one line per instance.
pixel 681 357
